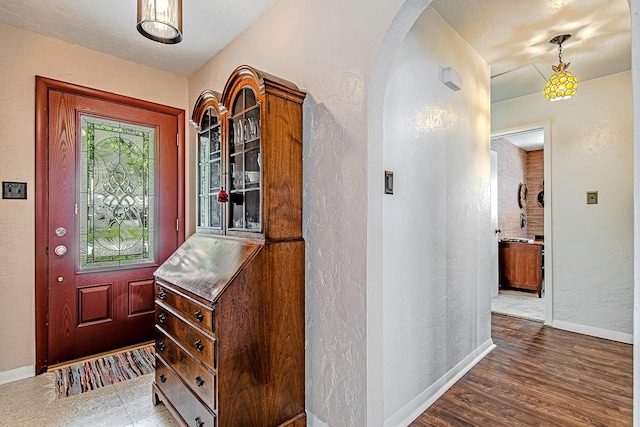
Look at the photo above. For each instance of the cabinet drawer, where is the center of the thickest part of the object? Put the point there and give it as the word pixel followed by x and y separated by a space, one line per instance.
pixel 195 341
pixel 191 409
pixel 191 310
pixel 196 376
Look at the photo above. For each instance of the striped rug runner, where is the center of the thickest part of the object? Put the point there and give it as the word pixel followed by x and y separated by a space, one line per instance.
pixel 99 372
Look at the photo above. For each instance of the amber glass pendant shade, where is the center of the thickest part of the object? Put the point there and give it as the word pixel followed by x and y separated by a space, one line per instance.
pixel 160 20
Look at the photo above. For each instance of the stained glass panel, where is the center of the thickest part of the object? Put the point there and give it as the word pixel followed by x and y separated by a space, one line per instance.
pixel 116 194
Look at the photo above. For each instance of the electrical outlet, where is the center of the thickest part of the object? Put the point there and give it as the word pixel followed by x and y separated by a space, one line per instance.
pixel 14 190
pixel 592 197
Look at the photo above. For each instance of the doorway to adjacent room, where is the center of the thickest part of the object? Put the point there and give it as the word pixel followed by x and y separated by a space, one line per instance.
pixel 521 283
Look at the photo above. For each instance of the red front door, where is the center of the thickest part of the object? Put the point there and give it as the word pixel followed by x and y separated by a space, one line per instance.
pixel 112 216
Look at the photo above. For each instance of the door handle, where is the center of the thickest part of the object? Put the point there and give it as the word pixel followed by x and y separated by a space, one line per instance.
pixel 60 250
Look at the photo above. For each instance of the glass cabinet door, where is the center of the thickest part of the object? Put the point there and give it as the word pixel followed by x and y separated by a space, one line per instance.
pixel 244 164
pixel 209 172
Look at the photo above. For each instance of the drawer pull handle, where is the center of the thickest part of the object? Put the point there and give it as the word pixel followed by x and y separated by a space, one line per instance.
pixel 199 422
pixel 162 295
pixel 199 382
pixel 162 317
pixel 199 345
pixel 199 316
pixel 162 346
pixel 162 378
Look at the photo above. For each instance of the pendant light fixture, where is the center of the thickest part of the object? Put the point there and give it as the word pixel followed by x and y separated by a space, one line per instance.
pixel 562 84
pixel 160 20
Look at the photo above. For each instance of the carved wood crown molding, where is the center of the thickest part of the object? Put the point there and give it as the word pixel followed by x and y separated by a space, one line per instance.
pixel 260 81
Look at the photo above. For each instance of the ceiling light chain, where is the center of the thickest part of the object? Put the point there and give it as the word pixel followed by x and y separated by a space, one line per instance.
pixel 560 52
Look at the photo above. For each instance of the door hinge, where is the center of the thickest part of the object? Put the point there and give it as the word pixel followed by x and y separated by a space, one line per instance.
pixel 177 139
pixel 76 209
pixel 177 224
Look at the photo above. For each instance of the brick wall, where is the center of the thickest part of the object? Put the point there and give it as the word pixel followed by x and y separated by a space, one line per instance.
pixel 535 179
pixel 516 166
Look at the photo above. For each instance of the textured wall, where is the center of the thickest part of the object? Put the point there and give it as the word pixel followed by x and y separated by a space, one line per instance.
pixel 635 76
pixel 25 55
pixel 591 150
pixel 436 230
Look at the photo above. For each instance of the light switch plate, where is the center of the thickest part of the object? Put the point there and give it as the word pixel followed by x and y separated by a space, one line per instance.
pixel 14 190
pixel 592 197
pixel 388 182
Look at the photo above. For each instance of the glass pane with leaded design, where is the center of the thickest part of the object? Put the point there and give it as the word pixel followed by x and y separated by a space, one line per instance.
pixel 116 194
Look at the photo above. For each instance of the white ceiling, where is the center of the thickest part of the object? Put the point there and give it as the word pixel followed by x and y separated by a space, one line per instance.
pixel 527 140
pixel 110 26
pixel 513 36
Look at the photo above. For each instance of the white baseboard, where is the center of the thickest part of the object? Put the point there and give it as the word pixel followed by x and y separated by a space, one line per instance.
pixel 417 406
pixel 17 374
pixel 595 332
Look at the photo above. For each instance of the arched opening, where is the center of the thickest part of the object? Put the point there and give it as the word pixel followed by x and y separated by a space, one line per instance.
pixel 420 237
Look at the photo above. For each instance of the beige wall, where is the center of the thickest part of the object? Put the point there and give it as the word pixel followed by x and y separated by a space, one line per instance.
pixel 25 55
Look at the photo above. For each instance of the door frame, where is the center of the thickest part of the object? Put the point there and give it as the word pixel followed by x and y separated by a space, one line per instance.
pixel 545 126
pixel 43 86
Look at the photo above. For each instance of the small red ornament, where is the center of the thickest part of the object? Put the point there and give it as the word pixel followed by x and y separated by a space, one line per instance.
pixel 223 196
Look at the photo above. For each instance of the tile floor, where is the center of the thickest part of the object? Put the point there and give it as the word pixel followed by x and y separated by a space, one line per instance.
pixel 31 402
pixel 525 305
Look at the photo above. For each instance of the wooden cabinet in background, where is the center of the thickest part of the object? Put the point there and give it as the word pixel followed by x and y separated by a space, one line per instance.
pixel 521 265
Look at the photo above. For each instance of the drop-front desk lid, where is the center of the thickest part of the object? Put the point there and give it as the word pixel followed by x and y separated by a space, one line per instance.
pixel 205 264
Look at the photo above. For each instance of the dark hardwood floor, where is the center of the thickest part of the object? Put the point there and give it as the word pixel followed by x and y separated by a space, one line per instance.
pixel 540 376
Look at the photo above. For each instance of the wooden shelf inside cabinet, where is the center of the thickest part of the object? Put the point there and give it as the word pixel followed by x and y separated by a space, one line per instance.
pixel 264 141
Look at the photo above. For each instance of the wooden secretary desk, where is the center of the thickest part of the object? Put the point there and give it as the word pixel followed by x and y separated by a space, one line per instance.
pixel 230 301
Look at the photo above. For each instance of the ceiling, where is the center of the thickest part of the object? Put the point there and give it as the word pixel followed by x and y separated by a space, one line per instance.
pixel 529 140
pixel 513 40
pixel 110 26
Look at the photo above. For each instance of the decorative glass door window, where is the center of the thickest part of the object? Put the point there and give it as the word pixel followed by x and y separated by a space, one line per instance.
pixel 245 209
pixel 209 172
pixel 116 194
